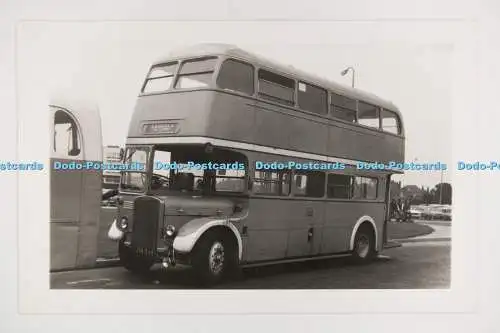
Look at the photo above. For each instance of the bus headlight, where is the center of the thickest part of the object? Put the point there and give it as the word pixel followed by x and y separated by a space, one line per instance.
pixel 123 225
pixel 170 230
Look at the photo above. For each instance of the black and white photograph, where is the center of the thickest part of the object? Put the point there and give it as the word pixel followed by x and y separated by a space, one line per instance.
pixel 244 165
pixel 193 166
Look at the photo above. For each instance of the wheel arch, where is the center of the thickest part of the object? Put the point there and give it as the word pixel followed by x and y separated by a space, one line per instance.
pixel 185 241
pixel 368 220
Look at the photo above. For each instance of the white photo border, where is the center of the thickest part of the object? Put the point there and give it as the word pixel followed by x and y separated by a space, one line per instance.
pixel 36 297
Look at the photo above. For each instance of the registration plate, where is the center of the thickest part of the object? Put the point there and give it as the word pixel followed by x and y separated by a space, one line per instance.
pixel 141 251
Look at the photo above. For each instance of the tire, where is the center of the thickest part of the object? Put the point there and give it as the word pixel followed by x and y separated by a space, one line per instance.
pixel 214 257
pixel 133 263
pixel 364 245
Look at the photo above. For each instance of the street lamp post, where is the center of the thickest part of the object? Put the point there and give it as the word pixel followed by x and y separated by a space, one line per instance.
pixel 345 71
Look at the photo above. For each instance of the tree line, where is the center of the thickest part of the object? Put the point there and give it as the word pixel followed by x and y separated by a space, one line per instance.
pixel 439 194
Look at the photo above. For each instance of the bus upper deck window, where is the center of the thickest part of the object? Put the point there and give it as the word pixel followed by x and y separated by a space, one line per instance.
pixel 160 78
pixel 236 75
pixel 390 122
pixel 343 108
pixel 196 73
pixel 276 87
pixel 368 115
pixel 312 98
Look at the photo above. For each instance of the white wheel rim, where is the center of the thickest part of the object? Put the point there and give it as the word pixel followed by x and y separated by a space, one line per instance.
pixel 216 258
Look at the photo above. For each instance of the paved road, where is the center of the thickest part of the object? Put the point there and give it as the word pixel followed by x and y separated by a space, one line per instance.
pixel 423 265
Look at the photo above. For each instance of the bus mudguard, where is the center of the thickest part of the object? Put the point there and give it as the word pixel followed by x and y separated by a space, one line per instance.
pixel 189 233
pixel 362 219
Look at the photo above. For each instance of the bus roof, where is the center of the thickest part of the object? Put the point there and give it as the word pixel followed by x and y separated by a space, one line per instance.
pixel 217 49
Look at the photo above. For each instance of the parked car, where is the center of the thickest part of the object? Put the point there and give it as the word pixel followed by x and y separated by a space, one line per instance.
pixel 425 210
pixel 444 213
pixel 440 212
pixel 416 212
pixel 109 197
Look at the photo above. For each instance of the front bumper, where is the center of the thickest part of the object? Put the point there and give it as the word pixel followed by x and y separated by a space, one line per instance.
pixel 164 254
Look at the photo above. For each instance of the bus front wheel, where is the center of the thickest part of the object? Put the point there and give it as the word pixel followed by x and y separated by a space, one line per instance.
pixel 364 245
pixel 214 257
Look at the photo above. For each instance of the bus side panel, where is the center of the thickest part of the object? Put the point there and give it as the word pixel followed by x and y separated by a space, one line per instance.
pixel 395 147
pixel 267 229
pixel 75 209
pixel 228 116
pixel 65 188
pixel 304 217
pixel 75 194
pixel 63 245
pixel 66 194
pixel 363 144
pixel 233 117
pixel 89 218
pixel 267 126
pixel 341 217
pixel 307 135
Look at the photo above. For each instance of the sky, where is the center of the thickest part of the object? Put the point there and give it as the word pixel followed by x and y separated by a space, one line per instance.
pixel 108 61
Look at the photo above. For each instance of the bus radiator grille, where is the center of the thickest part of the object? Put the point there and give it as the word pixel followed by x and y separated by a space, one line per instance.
pixel 146 221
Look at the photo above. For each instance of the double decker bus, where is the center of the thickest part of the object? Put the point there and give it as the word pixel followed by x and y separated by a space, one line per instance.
pixel 219 105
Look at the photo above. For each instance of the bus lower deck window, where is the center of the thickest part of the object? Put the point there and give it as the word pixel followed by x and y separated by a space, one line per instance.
pixel 339 186
pixel 272 183
pixel 309 184
pixel 365 188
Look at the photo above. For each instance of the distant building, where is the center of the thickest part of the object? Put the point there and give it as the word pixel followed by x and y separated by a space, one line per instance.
pixel 111 178
pixel 112 154
pixel 413 191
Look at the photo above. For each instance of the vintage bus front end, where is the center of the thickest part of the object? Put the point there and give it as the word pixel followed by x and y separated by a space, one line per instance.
pixel 185 194
pixel 181 204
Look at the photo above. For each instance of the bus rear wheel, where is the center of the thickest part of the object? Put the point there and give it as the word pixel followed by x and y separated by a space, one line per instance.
pixel 364 245
pixel 214 257
pixel 133 263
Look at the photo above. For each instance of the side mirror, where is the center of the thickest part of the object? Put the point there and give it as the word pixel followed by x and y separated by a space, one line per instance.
pixel 209 149
pixel 238 208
